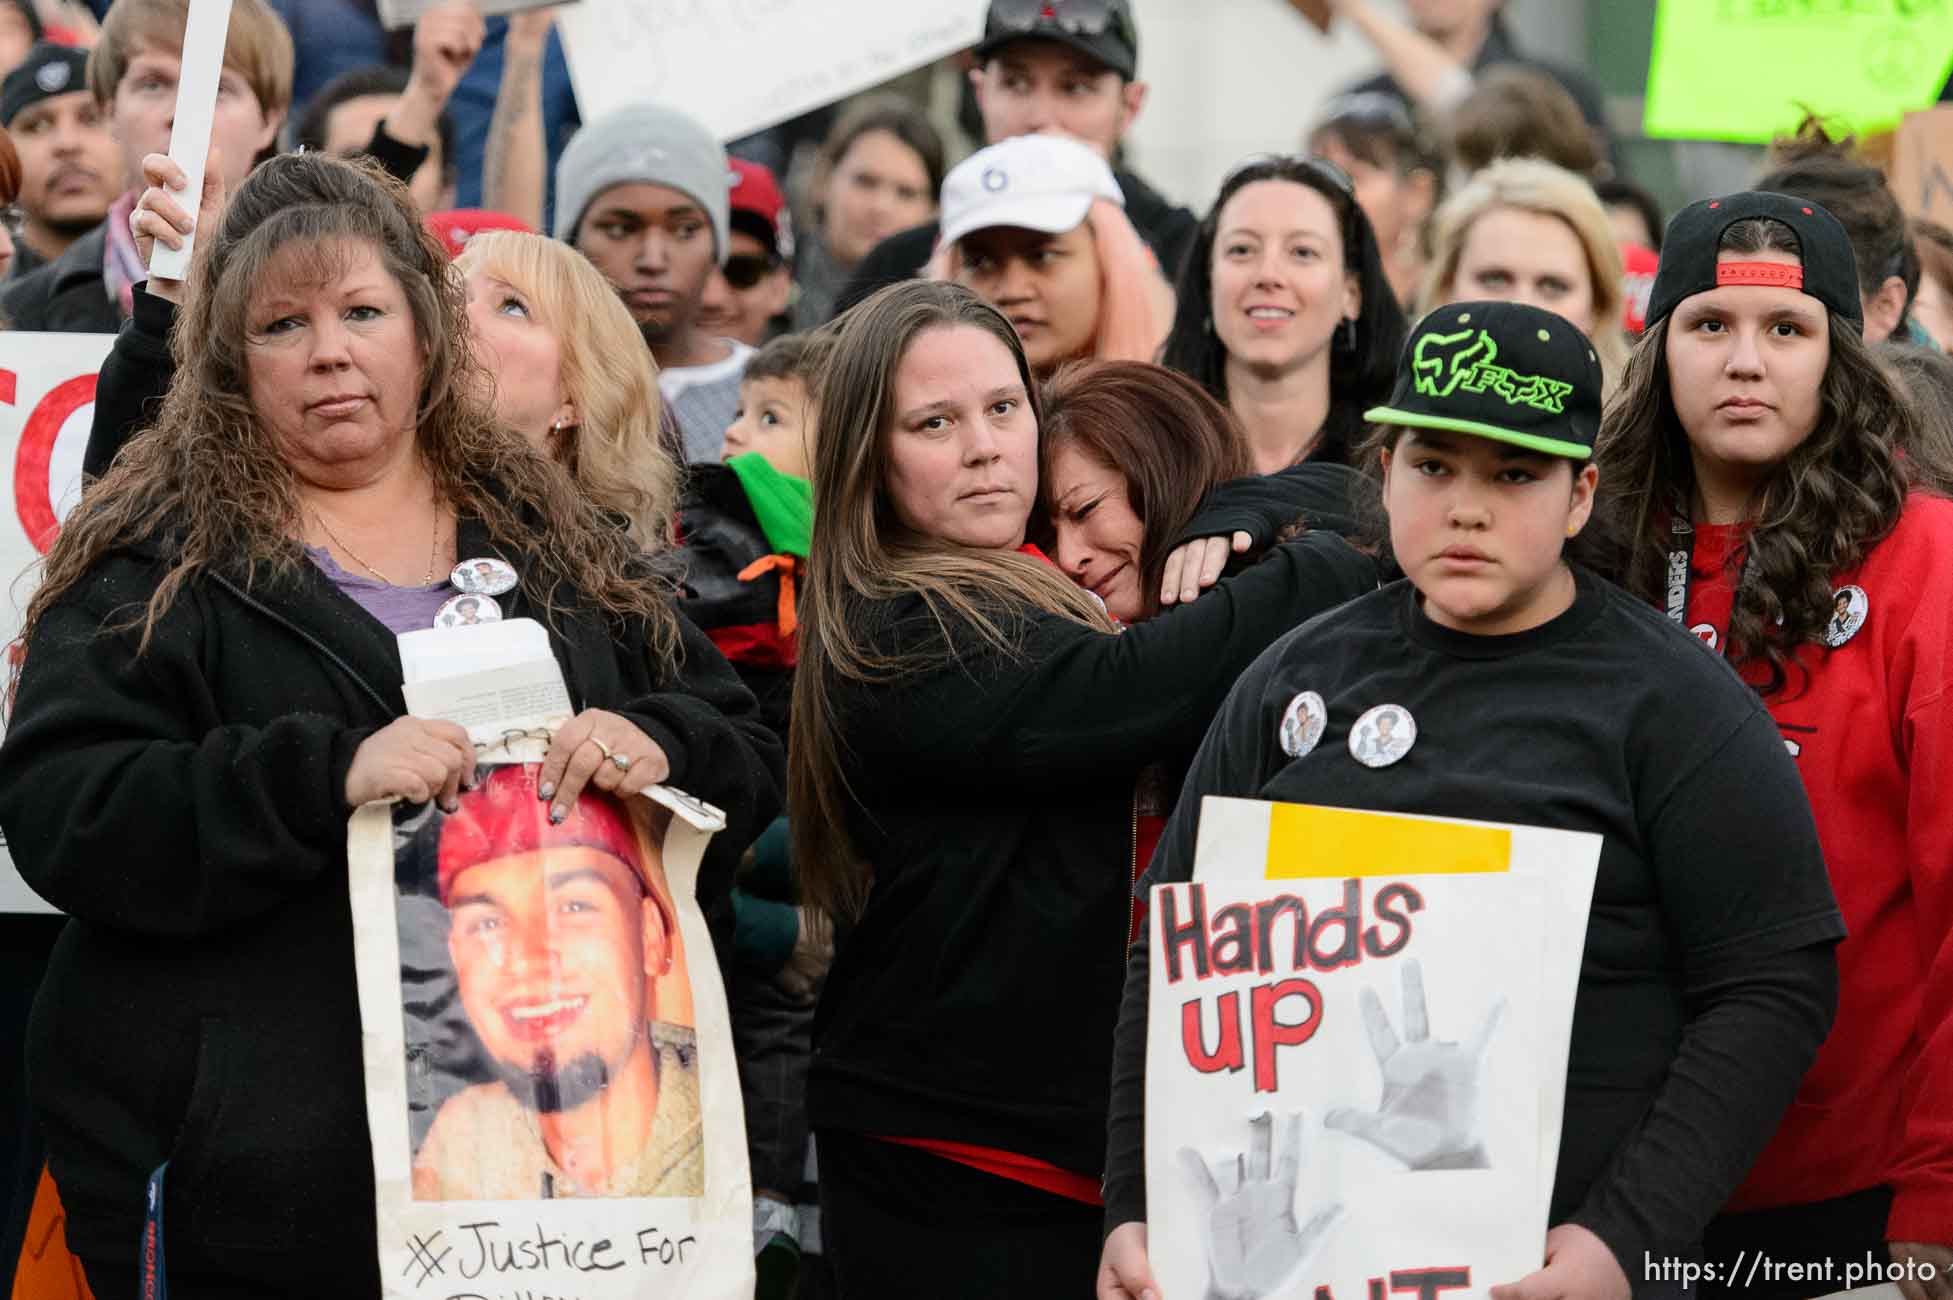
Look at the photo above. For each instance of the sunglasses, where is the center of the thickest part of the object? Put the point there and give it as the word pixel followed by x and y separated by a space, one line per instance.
pixel 744 270
pixel 1370 108
pixel 1321 168
pixel 1079 17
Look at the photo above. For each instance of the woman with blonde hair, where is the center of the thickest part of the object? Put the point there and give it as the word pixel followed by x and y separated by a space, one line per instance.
pixel 570 370
pixel 1037 226
pixel 572 373
pixel 1524 230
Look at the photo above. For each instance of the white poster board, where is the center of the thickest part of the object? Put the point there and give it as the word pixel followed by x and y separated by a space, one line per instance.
pixel 47 403
pixel 1357 1047
pixel 398 14
pixel 551 1089
pixel 741 65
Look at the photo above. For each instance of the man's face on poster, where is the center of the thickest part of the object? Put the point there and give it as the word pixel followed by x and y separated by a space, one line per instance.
pixel 557 953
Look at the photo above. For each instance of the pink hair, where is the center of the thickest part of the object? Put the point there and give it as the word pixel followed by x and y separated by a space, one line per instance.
pixel 1135 301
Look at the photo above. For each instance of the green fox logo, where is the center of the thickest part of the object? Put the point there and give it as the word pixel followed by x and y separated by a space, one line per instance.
pixel 1439 371
pixel 1444 363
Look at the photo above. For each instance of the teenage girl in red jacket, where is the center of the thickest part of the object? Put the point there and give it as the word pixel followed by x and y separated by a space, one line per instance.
pixel 1754 438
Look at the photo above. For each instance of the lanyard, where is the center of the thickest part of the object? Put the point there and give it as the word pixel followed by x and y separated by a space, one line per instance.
pixel 1681 550
pixel 1681 555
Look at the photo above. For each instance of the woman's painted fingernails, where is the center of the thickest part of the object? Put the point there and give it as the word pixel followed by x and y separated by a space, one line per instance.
pixel 548 788
pixel 557 814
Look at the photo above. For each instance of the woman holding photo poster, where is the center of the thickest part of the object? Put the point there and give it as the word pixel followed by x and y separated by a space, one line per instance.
pixel 1500 680
pixel 1757 444
pixel 968 737
pixel 211 684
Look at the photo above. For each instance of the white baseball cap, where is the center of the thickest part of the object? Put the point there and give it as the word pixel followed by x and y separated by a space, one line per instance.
pixel 1037 182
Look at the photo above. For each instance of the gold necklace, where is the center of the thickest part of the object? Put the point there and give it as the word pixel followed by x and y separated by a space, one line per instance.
pixel 433 547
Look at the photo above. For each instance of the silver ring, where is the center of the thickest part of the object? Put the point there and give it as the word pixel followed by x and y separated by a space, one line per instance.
pixel 622 762
pixel 600 745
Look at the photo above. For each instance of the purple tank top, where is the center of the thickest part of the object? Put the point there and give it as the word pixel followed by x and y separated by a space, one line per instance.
pixel 402 609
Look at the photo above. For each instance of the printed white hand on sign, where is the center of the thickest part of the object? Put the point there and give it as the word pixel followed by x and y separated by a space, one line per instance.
pixel 1256 1245
pixel 1432 1114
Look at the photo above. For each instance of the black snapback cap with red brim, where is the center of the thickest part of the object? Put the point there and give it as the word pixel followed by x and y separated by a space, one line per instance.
pixel 1502 370
pixel 1691 263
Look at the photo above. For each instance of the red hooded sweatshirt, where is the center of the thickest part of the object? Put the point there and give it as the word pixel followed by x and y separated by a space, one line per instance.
pixel 1870 722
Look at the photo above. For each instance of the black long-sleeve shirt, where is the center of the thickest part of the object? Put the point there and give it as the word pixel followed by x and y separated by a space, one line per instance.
pixel 974 999
pixel 1708 979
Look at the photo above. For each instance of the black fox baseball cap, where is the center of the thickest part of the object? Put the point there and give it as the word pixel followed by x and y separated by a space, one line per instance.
pixel 1501 370
pixel 1099 29
pixel 1690 264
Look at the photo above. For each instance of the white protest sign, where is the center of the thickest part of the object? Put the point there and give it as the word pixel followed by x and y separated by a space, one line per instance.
pixel 551 1088
pixel 47 403
pixel 398 14
pixel 204 37
pixel 741 65
pixel 1356 1055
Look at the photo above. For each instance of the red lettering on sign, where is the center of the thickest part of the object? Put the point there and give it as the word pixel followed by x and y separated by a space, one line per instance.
pixel 33 494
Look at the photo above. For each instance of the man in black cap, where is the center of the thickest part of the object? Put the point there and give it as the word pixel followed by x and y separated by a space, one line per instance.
pixel 1068 66
pixel 70 168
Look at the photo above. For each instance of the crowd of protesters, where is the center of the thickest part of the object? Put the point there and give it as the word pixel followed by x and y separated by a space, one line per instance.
pixel 957 540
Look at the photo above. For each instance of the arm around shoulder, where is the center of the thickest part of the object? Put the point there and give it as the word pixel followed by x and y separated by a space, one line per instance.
pixel 1074 699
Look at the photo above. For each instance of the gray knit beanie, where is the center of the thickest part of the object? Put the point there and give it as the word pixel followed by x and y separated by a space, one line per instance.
pixel 644 144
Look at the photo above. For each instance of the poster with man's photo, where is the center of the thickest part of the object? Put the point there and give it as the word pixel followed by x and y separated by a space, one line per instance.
pixel 1356 1054
pixel 551 1086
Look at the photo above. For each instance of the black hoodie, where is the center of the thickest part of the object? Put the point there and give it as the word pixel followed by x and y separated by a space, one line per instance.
pixel 974 1000
pixel 186 807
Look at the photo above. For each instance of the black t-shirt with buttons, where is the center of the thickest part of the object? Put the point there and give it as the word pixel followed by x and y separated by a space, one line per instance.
pixel 1708 979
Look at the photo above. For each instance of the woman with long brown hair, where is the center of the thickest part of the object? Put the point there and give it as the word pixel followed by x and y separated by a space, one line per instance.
pixel 1283 311
pixel 1132 453
pixel 967 735
pixel 212 682
pixel 566 366
pixel 1754 449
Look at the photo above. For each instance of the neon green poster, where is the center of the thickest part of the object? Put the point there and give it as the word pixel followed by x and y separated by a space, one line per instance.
pixel 1747 69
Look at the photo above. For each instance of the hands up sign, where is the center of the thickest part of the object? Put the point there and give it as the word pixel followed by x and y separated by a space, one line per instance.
pixel 1357 1052
pixel 47 402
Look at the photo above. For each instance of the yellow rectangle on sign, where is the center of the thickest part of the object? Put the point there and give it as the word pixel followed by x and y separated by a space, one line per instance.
pixel 1307 842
